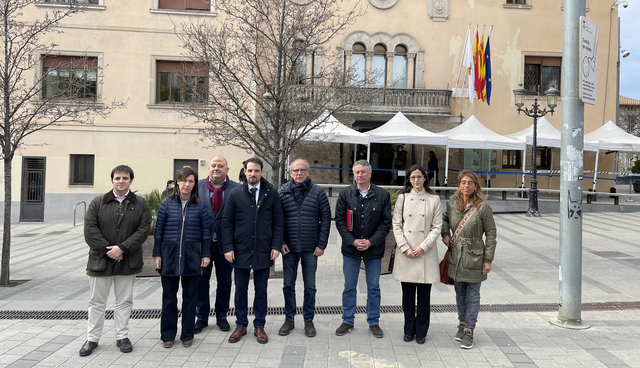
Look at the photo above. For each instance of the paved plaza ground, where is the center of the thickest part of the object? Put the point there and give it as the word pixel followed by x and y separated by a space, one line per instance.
pixel 43 321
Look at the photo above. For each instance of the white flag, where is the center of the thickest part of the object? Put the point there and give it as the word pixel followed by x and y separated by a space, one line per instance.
pixel 467 62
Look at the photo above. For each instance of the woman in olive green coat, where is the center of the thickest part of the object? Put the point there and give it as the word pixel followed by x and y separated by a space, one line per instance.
pixel 471 256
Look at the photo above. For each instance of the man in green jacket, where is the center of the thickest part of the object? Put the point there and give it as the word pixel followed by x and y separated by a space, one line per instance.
pixel 116 225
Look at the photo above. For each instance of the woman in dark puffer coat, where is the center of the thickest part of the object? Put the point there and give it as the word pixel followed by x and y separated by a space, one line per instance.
pixel 181 249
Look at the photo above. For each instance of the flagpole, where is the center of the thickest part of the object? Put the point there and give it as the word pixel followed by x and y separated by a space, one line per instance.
pixel 490 30
pixel 464 49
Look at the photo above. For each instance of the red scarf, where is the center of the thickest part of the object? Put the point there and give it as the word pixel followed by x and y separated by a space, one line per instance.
pixel 216 198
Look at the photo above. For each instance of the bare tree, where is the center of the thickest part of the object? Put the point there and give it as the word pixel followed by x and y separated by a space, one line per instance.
pixel 630 121
pixel 65 92
pixel 260 95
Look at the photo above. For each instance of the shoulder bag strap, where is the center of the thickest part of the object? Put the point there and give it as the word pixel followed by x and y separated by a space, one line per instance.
pixel 464 221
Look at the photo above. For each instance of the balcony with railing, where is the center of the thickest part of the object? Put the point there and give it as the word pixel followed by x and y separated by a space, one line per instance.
pixel 383 100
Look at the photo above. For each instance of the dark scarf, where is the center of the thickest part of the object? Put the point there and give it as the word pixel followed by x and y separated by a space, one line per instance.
pixel 299 189
pixel 216 198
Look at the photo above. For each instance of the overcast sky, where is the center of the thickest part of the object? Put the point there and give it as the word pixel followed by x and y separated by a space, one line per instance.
pixel 630 41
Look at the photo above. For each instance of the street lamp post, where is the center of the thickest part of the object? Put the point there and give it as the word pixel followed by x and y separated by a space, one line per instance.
pixel 535 113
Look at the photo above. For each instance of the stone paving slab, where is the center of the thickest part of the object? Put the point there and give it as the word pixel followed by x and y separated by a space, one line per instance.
pixel 525 271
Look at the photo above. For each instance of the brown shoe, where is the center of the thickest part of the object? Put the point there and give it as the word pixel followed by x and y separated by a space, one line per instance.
pixel 167 344
pixel 261 335
pixel 237 334
pixel 188 343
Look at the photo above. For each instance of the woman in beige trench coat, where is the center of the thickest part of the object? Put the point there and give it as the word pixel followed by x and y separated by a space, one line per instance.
pixel 417 222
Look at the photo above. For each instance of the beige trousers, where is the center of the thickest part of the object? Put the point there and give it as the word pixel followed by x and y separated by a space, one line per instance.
pixel 123 290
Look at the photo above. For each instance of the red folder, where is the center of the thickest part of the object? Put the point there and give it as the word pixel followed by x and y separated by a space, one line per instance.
pixel 349 220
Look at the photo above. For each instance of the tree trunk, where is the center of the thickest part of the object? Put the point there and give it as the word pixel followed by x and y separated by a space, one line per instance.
pixel 6 234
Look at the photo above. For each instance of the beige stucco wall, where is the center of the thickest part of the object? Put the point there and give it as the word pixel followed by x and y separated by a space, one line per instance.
pixel 148 137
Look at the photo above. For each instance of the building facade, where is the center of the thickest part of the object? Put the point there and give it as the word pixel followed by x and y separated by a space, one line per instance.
pixel 414 47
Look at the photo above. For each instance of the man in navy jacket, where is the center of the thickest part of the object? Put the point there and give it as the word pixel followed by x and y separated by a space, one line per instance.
pixel 307 222
pixel 214 191
pixel 252 228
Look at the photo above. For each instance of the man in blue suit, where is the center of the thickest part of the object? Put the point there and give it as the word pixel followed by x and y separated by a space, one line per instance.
pixel 214 191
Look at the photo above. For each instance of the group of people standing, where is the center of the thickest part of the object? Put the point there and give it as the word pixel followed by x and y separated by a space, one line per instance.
pixel 240 229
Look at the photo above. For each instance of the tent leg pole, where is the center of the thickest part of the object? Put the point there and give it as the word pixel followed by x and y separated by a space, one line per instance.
pixel 446 169
pixel 551 169
pixel 595 172
pixel 524 157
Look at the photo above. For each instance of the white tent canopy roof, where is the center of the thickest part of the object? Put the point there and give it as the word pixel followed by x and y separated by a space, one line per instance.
pixel 400 130
pixel 548 136
pixel 611 137
pixel 334 131
pixel 472 134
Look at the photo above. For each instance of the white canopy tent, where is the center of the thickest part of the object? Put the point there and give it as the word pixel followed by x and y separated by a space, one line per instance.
pixel 399 129
pixel 547 136
pixel 611 137
pixel 473 134
pixel 333 131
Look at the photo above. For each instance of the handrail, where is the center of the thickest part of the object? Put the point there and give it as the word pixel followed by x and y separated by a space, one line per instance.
pixel 590 195
pixel 74 211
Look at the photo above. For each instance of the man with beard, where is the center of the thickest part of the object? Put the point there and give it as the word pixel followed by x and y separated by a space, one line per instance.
pixel 252 230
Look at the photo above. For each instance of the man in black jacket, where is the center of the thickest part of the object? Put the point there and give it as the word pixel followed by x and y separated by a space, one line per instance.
pixel 252 226
pixel 307 222
pixel 116 225
pixel 363 219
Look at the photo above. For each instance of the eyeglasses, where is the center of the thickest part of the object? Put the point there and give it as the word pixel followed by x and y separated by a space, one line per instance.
pixel 416 177
pixel 302 171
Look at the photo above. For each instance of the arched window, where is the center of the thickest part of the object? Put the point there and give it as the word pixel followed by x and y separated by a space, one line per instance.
pixel 379 66
pixel 299 62
pixel 358 63
pixel 400 67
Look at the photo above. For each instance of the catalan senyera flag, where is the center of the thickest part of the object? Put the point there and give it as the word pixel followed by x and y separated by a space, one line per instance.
pixel 476 64
pixel 481 71
pixel 487 67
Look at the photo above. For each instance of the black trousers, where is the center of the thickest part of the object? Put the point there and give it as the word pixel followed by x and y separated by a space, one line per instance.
pixel 169 317
pixel 416 322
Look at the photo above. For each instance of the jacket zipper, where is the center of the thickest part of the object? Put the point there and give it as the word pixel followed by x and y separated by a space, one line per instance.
pixel 184 213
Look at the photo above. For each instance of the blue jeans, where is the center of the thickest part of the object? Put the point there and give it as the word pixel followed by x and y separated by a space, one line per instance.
pixel 468 301
pixel 351 269
pixel 290 267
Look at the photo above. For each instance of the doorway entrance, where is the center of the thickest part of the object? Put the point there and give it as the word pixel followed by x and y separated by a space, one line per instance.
pixel 32 193
pixel 178 164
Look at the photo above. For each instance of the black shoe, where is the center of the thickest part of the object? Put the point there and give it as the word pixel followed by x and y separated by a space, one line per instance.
pixel 199 326
pixel 421 340
pixel 88 347
pixel 344 329
pixel 309 329
pixel 224 325
pixel 286 328
pixel 376 331
pixel 408 338
pixel 124 345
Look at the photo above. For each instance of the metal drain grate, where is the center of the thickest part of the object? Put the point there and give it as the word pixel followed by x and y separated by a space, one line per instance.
pixel 276 311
